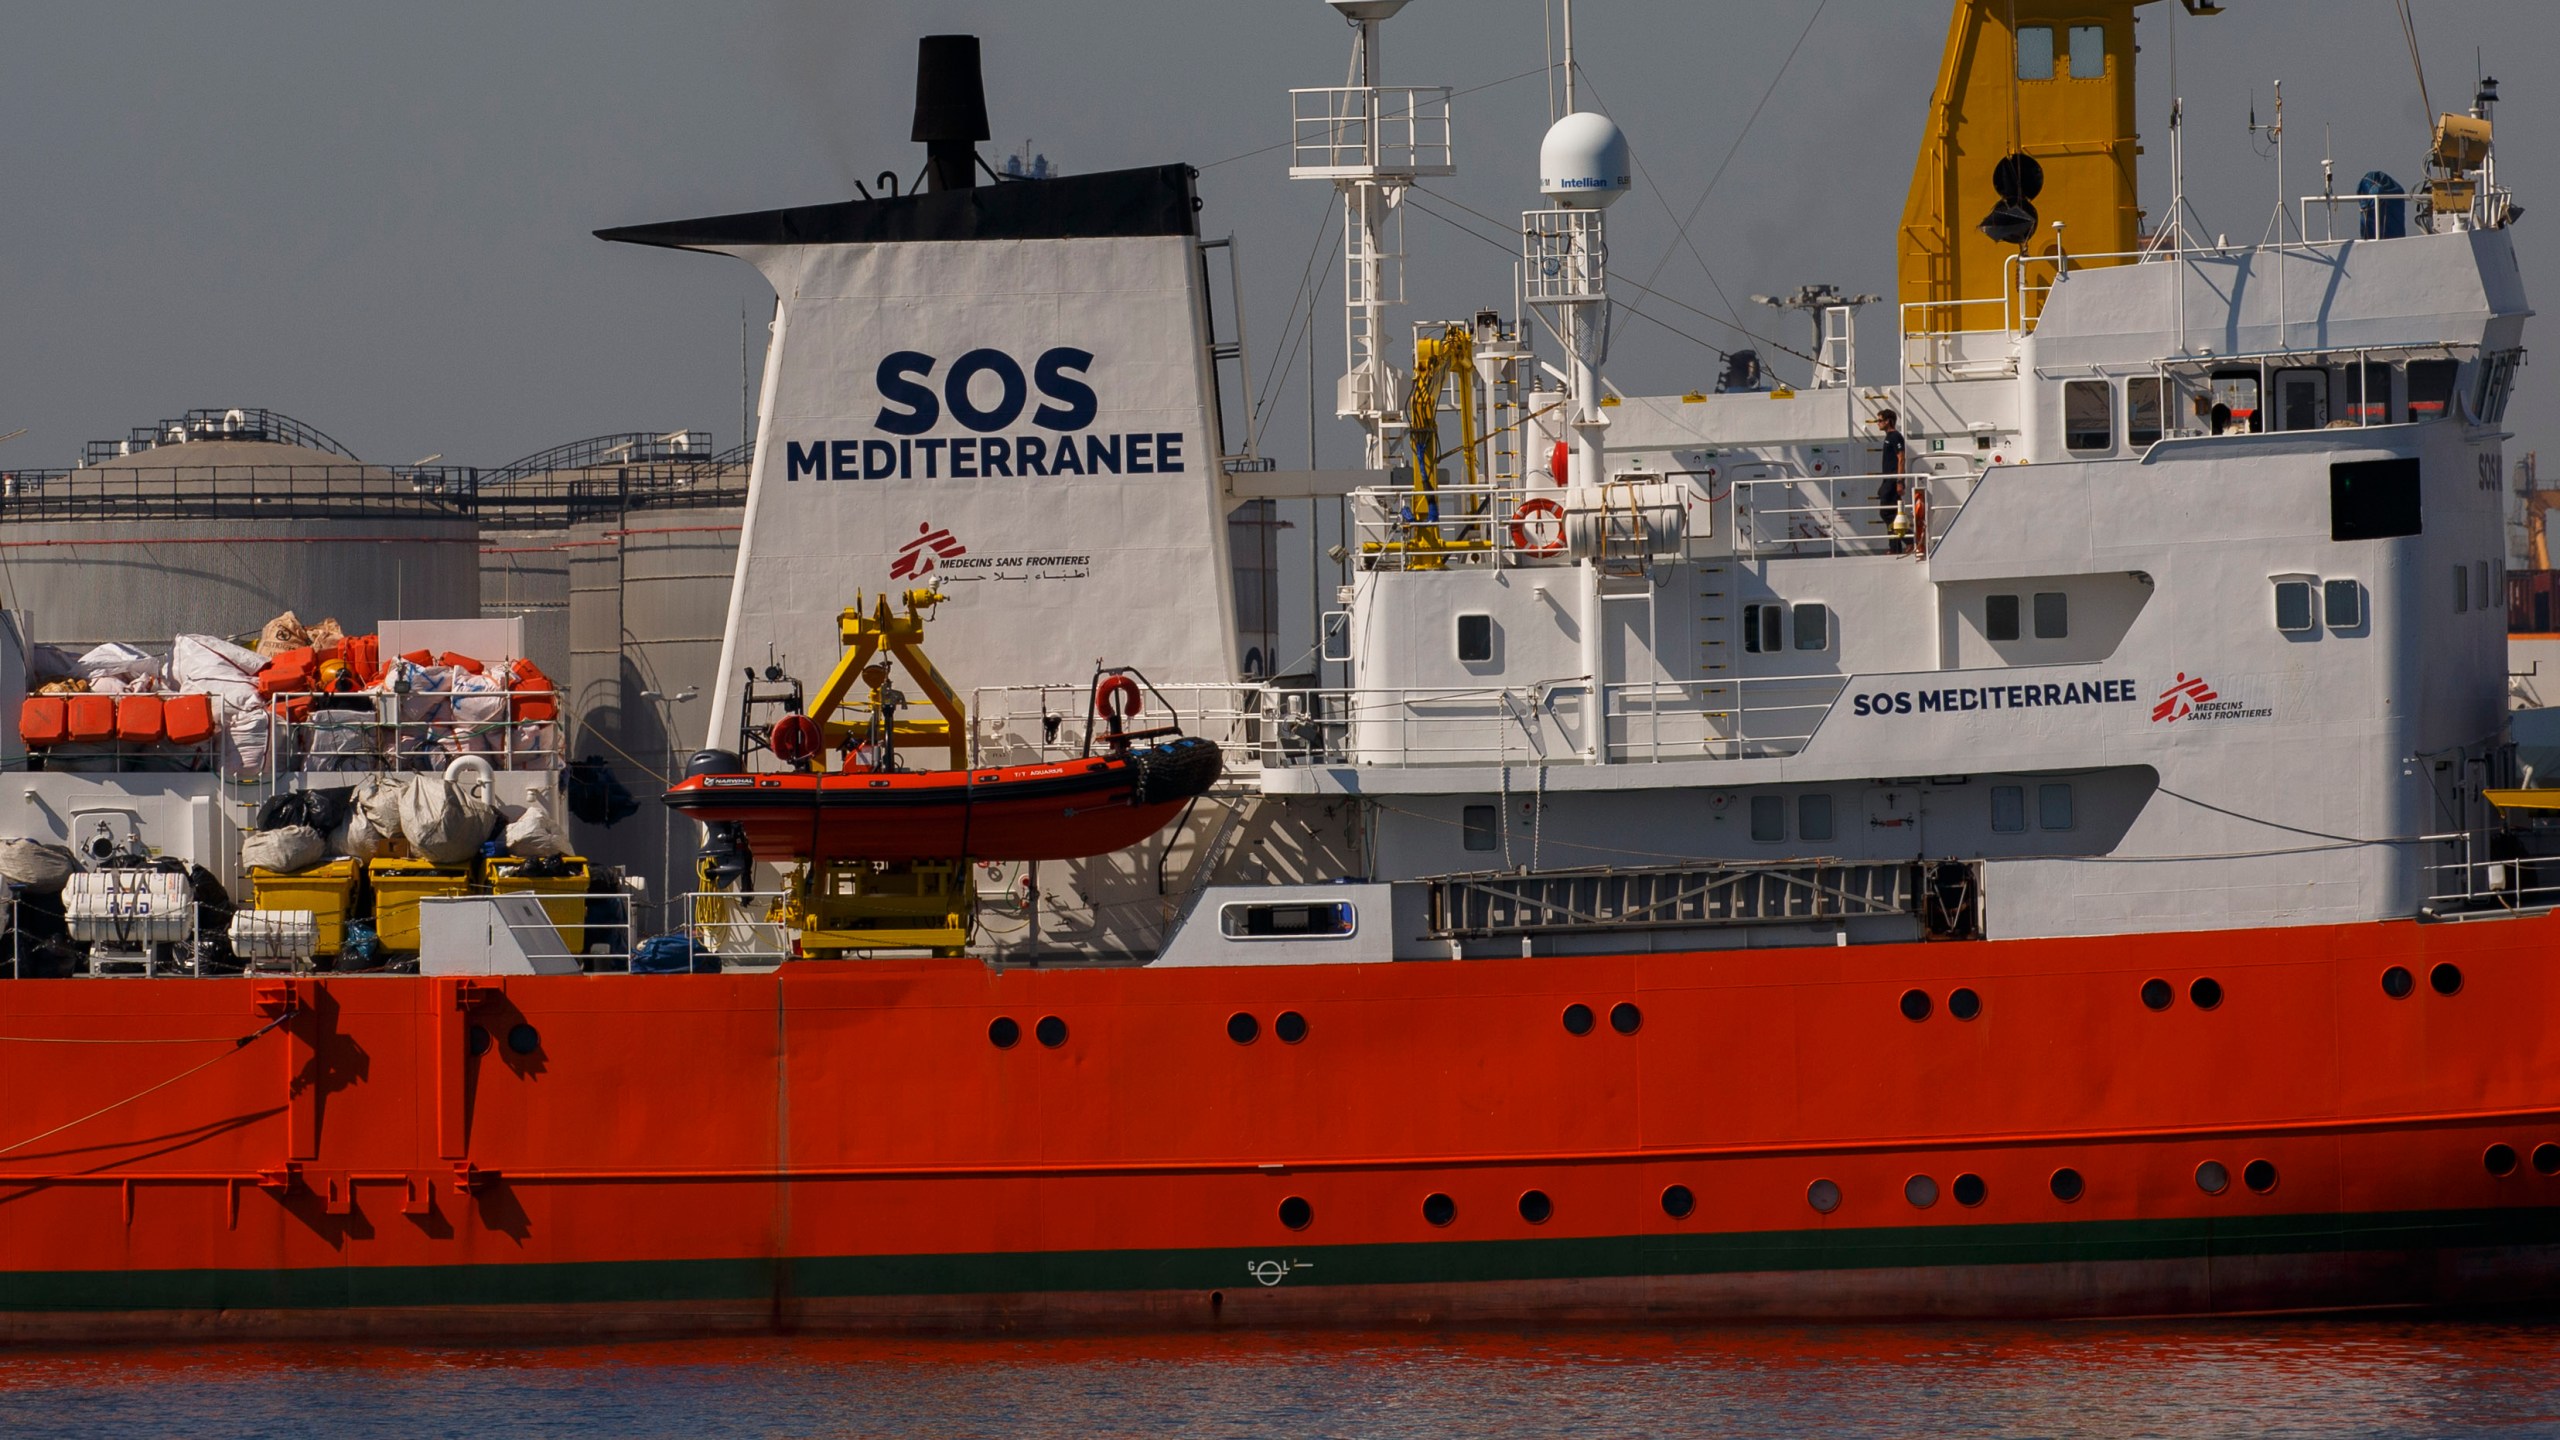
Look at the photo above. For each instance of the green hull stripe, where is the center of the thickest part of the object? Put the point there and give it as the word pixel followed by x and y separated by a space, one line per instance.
pixel 678 1282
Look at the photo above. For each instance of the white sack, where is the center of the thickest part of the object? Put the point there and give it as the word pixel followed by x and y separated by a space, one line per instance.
pixel 538 833
pixel 284 850
pixel 38 866
pixel 446 822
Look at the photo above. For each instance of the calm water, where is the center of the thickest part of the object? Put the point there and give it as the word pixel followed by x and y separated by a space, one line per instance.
pixel 2281 1377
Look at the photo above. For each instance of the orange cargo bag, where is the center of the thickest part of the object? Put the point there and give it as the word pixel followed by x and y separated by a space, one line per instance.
pixel 138 719
pixel 187 718
pixel 41 721
pixel 364 656
pixel 459 661
pixel 289 673
pixel 542 703
pixel 90 717
pixel 419 657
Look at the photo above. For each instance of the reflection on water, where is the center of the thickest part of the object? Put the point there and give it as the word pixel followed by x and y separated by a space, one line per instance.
pixel 2400 1376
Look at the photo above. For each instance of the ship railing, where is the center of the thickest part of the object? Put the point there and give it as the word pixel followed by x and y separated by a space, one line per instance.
pixel 1029 724
pixel 1353 132
pixel 1455 527
pixel 415 730
pixel 742 927
pixel 1779 516
pixel 2474 874
pixel 1645 722
pixel 1651 722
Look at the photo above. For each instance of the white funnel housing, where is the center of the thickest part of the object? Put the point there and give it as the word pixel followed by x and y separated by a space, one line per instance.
pixel 1583 164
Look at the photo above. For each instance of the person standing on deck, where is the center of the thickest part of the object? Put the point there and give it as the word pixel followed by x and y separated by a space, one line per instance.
pixel 1889 491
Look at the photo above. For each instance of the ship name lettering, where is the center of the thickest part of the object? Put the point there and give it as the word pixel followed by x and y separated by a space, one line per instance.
pixel 1956 700
pixel 987 457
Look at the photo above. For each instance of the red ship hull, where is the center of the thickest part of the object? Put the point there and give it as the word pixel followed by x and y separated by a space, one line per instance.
pixel 842 1143
pixel 1061 811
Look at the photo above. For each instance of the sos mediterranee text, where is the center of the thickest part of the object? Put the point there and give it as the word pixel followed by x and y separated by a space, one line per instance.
pixel 1993 697
pixel 915 405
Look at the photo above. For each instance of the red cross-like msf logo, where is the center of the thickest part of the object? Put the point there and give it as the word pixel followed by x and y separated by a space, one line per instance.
pixel 2180 699
pixel 916 557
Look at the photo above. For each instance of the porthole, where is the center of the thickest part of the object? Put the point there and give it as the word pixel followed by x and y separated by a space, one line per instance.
pixel 2067 1185
pixel 1296 1213
pixel 2445 979
pixel 1242 1027
pixel 2499 1160
pixel 1051 1030
pixel 1677 1202
pixel 1969 1190
pixel 2213 1177
pixel 1290 1026
pixel 2206 992
pixel 2546 1159
pixel 1577 1019
pixel 475 1041
pixel 2397 982
pixel 2156 994
pixel 1963 1004
pixel 1626 1019
pixel 2259 1175
pixel 1921 1191
pixel 1915 1004
pixel 1535 1207
pixel 1823 1196
pixel 1439 1209
pixel 1004 1032
pixel 524 1039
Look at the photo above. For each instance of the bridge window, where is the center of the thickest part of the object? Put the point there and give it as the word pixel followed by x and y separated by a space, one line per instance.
pixel 2088 415
pixel 1813 627
pixel 1482 827
pixel 1475 639
pixel 1761 626
pixel 2342 604
pixel 2008 808
pixel 2293 606
pixel 2088 52
pixel 2053 615
pixel 2142 410
pixel 2497 380
pixel 2430 388
pixel 1813 817
pixel 2461 587
pixel 2035 52
pixel 2374 499
pixel 2000 617
pixel 2235 395
pixel 2368 393
pixel 1768 818
pixel 2053 807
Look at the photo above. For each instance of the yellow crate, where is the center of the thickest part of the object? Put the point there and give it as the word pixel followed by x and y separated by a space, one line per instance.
pixel 398 886
pixel 327 891
pixel 569 916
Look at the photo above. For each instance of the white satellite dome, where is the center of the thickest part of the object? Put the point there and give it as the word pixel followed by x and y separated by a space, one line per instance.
pixel 1582 164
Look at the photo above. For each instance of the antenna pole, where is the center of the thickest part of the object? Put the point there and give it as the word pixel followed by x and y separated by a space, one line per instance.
pixel 1568 57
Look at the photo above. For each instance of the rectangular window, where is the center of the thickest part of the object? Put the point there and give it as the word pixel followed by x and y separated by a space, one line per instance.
pixel 2234 410
pixel 2302 399
pixel 2053 615
pixel 1482 826
pixel 1813 817
pixel 2369 393
pixel 2035 52
pixel 2430 388
pixel 1760 628
pixel 2053 807
pixel 1475 639
pixel 2293 606
pixel 2008 808
pixel 2373 499
pixel 1768 818
pixel 2461 588
pixel 2142 410
pixel 2088 52
pixel 1813 627
pixel 2000 617
pixel 2088 415
pixel 1311 920
pixel 2341 604
pixel 2480 583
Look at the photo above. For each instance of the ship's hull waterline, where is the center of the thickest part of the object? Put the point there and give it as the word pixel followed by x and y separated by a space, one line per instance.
pixel 845 1145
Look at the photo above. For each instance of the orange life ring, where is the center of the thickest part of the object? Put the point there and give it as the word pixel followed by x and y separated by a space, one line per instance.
pixel 1919 520
pixel 1520 514
pixel 1119 687
pixel 795 739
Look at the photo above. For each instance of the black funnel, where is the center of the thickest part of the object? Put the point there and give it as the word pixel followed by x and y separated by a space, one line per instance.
pixel 951 110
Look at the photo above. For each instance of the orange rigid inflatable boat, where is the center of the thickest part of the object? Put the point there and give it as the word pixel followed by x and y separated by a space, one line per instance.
pixel 1061 811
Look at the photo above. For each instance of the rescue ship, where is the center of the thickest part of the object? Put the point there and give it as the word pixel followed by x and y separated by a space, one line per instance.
pixel 2086 875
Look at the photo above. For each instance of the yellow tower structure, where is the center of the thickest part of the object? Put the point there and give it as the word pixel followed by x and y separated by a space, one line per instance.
pixel 2031 125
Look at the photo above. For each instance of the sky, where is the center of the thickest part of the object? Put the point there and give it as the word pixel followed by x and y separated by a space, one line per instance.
pixel 378 219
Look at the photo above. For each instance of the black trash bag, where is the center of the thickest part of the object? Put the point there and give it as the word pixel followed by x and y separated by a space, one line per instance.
pixel 322 810
pixel 596 796
pixel 53 957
